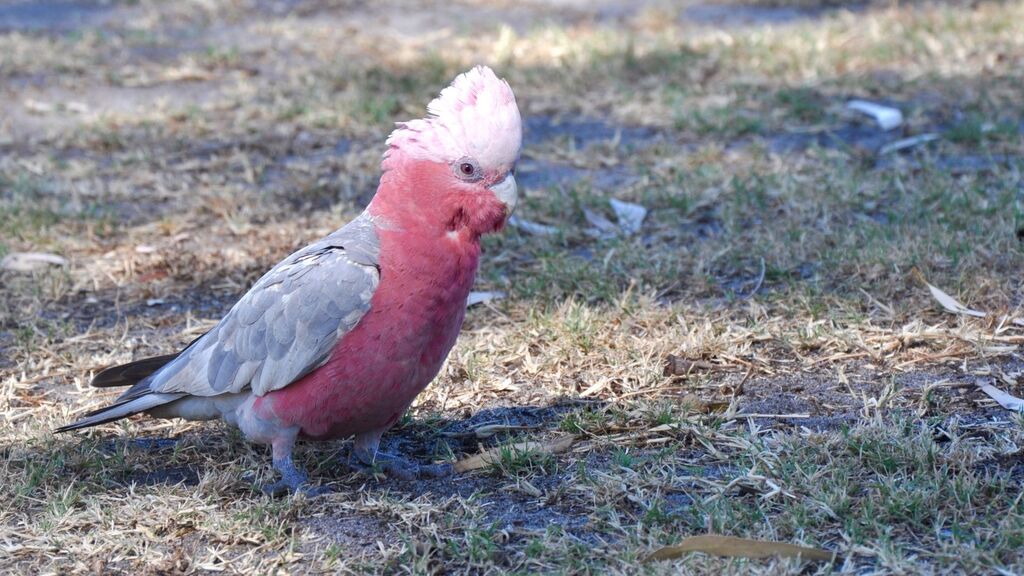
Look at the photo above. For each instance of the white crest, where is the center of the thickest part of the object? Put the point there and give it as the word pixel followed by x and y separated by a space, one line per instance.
pixel 475 117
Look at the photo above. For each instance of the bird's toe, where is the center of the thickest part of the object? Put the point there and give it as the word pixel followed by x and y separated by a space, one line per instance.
pixel 402 469
pixel 436 470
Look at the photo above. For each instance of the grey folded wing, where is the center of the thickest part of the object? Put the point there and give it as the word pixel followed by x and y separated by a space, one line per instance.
pixel 285 326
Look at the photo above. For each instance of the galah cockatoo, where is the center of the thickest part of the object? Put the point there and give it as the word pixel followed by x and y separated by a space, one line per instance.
pixel 338 338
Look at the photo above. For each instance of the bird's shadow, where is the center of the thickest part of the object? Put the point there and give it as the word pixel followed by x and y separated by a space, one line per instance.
pixel 185 459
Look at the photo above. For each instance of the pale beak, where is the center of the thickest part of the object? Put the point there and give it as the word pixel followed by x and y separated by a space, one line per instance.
pixel 506 192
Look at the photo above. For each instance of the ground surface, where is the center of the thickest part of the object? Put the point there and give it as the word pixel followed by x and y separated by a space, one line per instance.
pixel 171 152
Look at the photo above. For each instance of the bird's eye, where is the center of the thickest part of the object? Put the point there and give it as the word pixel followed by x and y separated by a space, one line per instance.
pixel 467 169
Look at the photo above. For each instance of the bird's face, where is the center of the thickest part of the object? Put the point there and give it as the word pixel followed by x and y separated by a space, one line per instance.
pixel 497 181
pixel 466 150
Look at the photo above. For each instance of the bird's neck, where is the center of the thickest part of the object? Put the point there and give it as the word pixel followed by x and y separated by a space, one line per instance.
pixel 424 235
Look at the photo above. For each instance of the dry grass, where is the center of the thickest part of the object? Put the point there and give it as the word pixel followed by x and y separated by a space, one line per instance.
pixel 172 152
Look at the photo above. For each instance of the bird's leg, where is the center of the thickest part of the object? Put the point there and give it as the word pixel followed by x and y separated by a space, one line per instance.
pixel 365 449
pixel 293 480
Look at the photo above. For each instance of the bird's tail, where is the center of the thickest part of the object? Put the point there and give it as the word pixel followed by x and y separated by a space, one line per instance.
pixel 138 398
pixel 135 400
pixel 120 409
pixel 132 372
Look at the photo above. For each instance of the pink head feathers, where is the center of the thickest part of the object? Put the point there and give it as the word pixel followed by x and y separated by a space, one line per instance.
pixel 475 117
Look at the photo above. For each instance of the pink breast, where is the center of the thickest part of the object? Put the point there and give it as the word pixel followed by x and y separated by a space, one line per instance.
pixel 396 350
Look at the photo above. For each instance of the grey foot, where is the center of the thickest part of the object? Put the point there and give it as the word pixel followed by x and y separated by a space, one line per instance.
pixel 400 468
pixel 293 481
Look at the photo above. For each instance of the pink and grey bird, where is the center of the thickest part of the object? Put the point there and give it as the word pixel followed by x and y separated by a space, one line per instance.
pixel 338 338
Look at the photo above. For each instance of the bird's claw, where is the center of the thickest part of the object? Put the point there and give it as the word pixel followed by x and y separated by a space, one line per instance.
pixel 401 468
pixel 292 482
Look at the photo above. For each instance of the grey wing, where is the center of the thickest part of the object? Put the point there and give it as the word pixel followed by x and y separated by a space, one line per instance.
pixel 287 324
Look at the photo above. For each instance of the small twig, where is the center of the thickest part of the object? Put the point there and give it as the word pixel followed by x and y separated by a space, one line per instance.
pixel 758 415
pixel 730 412
pixel 653 391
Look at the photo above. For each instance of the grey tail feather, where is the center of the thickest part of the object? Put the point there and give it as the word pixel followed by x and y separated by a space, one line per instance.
pixel 138 398
pixel 133 372
pixel 120 409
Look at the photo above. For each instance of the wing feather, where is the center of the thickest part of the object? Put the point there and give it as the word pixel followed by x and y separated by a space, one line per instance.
pixel 286 325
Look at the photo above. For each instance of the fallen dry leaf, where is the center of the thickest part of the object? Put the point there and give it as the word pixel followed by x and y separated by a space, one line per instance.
pixel 1008 401
pixel 29 261
pixel 679 366
pixel 738 548
pixel 494 429
pixel 887 117
pixel 492 456
pixel 694 404
pixel 37 107
pixel 630 216
pixel 480 297
pixel 905 143
pixel 489 430
pixel 602 227
pixel 951 305
pixel 532 227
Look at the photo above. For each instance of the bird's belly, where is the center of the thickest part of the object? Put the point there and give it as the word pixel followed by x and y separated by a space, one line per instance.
pixel 376 371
